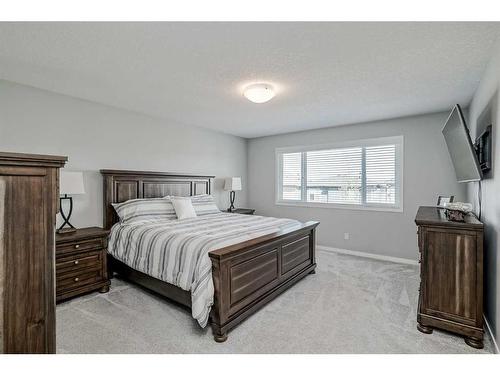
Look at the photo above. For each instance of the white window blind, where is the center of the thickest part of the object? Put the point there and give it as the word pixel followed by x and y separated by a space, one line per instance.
pixel 365 173
pixel 292 176
pixel 334 176
pixel 381 174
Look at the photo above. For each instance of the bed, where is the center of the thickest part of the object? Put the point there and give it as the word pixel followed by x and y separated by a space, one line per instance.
pixel 261 258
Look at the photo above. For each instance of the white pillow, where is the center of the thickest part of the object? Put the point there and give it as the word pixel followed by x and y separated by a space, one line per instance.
pixel 183 207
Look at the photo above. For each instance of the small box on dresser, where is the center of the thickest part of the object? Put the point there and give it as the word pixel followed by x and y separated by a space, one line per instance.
pixel 451 275
pixel 81 262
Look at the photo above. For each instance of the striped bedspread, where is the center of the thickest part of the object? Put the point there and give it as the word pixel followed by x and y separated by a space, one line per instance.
pixel 176 251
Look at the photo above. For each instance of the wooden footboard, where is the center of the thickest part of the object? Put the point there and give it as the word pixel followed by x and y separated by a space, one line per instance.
pixel 249 274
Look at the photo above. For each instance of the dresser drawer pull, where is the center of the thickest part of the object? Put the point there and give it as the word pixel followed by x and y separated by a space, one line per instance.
pixel 77 246
pixel 76 262
pixel 76 279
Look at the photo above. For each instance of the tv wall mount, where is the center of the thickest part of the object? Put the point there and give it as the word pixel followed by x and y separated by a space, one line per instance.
pixel 482 145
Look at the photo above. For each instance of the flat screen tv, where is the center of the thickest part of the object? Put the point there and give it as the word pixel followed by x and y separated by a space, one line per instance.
pixel 463 155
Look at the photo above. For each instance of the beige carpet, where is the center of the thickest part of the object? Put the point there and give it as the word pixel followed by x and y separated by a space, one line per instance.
pixel 351 305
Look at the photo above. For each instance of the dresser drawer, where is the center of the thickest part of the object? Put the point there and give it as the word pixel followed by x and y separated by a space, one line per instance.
pixel 71 247
pixel 76 280
pixel 75 263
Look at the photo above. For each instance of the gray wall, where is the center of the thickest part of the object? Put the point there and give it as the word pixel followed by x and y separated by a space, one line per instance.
pixel 95 136
pixel 484 110
pixel 427 173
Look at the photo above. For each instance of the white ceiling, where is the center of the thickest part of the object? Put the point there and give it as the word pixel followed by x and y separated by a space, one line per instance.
pixel 192 73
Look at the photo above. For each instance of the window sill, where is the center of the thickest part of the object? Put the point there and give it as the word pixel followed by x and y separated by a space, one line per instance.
pixel 339 206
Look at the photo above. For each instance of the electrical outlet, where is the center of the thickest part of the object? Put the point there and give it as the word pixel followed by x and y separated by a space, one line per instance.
pixel 346 236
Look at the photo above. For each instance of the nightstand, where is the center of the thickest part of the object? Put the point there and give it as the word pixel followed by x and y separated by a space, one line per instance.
pixel 81 262
pixel 244 211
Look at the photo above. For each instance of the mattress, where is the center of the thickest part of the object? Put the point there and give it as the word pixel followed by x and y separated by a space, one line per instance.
pixel 176 251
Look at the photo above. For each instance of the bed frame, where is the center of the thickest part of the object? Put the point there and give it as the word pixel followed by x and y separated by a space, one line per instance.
pixel 246 275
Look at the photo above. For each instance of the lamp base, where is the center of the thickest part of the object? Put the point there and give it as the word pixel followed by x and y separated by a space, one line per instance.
pixel 66 230
pixel 232 195
pixel 62 229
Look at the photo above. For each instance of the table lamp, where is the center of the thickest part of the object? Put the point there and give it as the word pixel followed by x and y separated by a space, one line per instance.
pixel 71 183
pixel 233 184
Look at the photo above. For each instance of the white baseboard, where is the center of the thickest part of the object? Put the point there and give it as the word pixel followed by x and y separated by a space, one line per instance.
pixel 488 328
pixel 368 255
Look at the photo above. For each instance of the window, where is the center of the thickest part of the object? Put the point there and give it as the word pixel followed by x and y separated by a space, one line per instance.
pixel 361 174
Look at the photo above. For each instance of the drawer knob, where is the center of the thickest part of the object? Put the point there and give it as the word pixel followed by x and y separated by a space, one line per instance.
pixel 75 262
pixel 76 279
pixel 77 246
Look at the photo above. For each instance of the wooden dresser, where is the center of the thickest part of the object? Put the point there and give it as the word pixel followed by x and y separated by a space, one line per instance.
pixel 81 262
pixel 28 206
pixel 451 275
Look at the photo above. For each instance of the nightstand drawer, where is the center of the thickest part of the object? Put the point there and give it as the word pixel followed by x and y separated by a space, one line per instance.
pixel 92 260
pixel 76 280
pixel 70 247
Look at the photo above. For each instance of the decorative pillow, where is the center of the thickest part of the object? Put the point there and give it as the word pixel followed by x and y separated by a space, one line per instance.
pixel 204 205
pixel 144 209
pixel 183 207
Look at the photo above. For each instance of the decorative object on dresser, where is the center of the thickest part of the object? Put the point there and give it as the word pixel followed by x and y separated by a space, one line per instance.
pixel 71 184
pixel 451 273
pixel 232 184
pixel 442 200
pixel 28 207
pixel 81 263
pixel 246 275
pixel 458 211
pixel 244 211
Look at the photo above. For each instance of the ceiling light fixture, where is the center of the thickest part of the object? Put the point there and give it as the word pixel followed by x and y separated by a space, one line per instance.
pixel 259 92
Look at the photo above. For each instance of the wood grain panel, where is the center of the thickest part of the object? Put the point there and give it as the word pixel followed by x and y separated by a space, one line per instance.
pixel 25 330
pixel 294 254
pixel 126 190
pixel 161 189
pixel 250 276
pixel 451 275
pixel 200 187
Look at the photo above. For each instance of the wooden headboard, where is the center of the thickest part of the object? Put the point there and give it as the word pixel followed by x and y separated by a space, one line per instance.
pixel 120 186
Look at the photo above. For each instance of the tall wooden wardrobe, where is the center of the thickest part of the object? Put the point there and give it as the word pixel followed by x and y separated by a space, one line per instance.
pixel 29 192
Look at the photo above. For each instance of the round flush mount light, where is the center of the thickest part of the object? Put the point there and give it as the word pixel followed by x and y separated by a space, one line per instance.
pixel 259 92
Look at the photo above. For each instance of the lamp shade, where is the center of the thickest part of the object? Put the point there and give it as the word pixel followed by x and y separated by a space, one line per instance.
pixel 232 183
pixel 71 183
